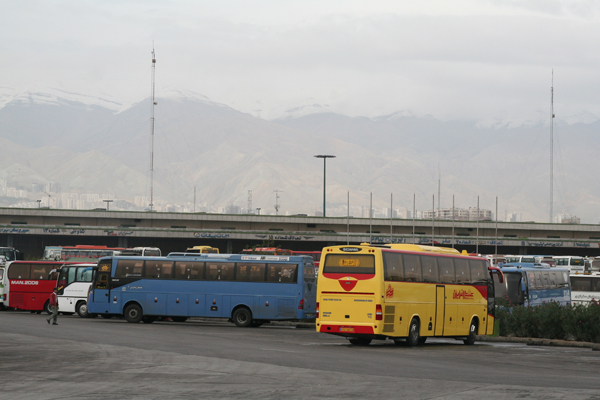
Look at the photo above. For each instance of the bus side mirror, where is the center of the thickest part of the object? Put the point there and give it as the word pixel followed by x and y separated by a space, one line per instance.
pixel 496 270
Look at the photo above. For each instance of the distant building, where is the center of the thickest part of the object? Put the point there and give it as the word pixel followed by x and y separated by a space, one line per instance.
pixel 567 219
pixel 459 214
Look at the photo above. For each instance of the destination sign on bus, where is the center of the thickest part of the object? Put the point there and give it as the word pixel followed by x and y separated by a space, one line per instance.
pixel 349 262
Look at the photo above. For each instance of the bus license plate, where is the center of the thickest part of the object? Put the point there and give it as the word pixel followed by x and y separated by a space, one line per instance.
pixel 346 329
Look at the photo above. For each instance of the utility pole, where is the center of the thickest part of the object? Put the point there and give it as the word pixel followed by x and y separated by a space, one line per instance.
pixel 152 134
pixel 324 157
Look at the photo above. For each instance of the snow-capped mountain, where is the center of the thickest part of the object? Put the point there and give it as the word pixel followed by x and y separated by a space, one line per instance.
pixel 95 145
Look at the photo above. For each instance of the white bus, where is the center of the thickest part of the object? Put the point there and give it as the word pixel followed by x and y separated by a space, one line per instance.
pixel 73 283
pixel 574 263
pixel 520 259
pixel 140 252
pixel 3 283
pixel 585 288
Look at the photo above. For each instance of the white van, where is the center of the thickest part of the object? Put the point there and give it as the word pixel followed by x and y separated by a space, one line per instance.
pixel 73 283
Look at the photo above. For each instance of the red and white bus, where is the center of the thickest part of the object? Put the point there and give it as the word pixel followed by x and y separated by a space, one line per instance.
pixel 63 253
pixel 30 284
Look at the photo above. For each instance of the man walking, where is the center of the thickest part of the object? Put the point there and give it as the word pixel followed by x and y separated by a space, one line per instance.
pixel 54 306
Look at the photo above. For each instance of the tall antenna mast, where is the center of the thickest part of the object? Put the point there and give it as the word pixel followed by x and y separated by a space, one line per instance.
pixel 439 188
pixel 152 134
pixel 552 148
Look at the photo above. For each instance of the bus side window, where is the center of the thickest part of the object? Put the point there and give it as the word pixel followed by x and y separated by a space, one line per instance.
pixel 71 274
pixel 581 284
pixel 430 269
pixel 478 270
pixel 392 263
pixel 129 269
pixel 212 272
pixel 446 265
pixel 595 285
pixel 197 271
pixel 241 273
pixel 227 272
pixel 463 274
pixel 288 273
pixel 285 273
pixel 412 267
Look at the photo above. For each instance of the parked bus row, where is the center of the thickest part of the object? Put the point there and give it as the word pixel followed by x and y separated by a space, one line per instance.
pixel 365 292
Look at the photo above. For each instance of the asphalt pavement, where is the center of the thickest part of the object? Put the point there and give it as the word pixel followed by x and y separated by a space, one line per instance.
pixel 204 359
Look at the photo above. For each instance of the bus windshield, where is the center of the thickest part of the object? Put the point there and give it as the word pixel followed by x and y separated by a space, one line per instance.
pixel 8 253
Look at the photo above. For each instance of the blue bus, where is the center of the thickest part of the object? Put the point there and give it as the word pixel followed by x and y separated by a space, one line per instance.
pixel 531 284
pixel 248 289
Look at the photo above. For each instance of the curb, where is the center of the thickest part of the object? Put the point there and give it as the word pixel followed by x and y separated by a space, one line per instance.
pixel 540 342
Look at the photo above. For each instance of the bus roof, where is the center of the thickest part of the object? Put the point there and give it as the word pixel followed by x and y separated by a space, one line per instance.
pixel 231 257
pixel 415 247
pixel 513 267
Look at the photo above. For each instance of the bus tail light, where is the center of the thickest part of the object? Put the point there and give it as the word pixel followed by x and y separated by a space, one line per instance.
pixel 317 313
pixel 301 305
pixel 378 312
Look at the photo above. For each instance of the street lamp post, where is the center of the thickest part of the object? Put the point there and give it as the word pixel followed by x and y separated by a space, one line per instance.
pixel 39 203
pixel 107 203
pixel 324 157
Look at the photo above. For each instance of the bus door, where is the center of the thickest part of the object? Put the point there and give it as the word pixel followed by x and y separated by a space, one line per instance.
pixel 102 283
pixel 309 300
pixel 3 288
pixel 440 310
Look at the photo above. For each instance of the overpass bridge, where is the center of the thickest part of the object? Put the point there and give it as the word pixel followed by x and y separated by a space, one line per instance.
pixel 30 230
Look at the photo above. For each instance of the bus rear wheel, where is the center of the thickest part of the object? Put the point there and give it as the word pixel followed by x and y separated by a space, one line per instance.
pixel 413 333
pixel 470 340
pixel 360 341
pixel 82 310
pixel 133 313
pixel 242 317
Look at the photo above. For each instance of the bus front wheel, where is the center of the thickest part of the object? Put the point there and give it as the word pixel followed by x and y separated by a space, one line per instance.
pixel 82 310
pixel 133 313
pixel 470 340
pixel 413 333
pixel 242 317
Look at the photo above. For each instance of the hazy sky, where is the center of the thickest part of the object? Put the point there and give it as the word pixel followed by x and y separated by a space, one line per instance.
pixel 486 60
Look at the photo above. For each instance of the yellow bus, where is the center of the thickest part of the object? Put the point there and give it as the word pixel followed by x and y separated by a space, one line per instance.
pixel 202 249
pixel 404 292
